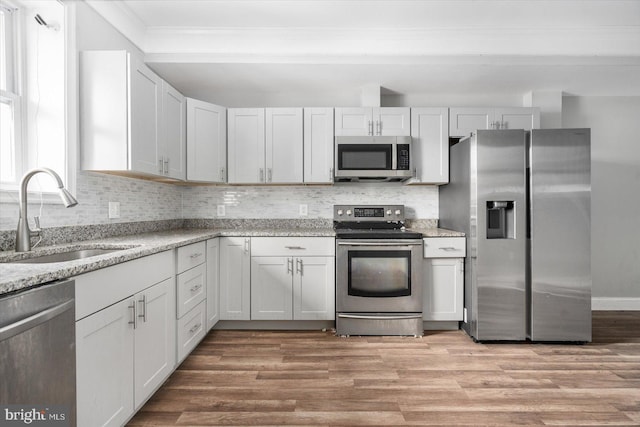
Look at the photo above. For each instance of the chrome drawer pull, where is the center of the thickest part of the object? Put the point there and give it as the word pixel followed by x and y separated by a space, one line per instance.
pixel 297 248
pixel 195 288
pixel 195 328
pixel 196 255
pixel 449 248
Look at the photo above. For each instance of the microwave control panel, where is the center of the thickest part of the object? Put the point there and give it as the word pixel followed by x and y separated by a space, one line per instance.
pixel 403 157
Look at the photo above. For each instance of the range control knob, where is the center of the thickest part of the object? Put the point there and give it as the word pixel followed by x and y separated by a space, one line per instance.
pixel 398 211
pixel 340 212
pixel 388 212
pixel 348 211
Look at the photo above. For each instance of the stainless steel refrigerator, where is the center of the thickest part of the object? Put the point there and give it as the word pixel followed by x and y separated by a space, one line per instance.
pixel 523 199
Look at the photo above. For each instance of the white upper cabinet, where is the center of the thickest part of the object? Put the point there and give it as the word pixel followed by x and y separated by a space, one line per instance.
pixel 284 145
pixel 430 145
pixel 246 145
pixel 463 121
pixel 206 142
pixel 173 137
pixel 385 121
pixel 318 145
pixel 265 145
pixel 131 121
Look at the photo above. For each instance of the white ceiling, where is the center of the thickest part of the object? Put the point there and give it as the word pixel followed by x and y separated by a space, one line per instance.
pixel 217 49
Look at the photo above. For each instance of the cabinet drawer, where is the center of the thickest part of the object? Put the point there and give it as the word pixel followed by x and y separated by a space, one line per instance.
pixel 191 288
pixel 444 247
pixel 292 246
pixel 191 329
pixel 101 288
pixel 189 256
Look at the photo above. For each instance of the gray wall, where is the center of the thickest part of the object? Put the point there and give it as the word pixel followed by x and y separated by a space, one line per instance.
pixel 615 182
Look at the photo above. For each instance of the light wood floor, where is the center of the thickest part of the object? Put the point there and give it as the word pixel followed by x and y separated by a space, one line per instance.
pixel 444 378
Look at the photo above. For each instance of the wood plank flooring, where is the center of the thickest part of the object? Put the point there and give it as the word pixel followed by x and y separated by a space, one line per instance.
pixel 444 378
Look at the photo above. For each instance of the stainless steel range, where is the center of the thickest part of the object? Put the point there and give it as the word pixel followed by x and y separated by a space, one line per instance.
pixel 378 273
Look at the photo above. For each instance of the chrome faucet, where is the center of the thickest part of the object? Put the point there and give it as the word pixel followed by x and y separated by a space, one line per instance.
pixel 23 233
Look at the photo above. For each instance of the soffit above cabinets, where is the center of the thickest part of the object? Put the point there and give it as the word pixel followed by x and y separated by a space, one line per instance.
pixel 407 46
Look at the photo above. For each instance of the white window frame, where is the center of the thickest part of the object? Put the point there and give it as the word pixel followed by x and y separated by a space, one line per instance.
pixel 9 191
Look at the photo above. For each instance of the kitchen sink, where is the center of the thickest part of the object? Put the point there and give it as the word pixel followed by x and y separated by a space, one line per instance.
pixel 69 255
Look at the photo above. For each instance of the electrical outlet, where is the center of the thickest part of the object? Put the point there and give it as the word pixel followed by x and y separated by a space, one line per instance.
pixel 303 210
pixel 114 210
pixel 221 211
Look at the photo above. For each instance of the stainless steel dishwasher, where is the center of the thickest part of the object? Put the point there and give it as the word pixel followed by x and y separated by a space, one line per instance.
pixel 38 354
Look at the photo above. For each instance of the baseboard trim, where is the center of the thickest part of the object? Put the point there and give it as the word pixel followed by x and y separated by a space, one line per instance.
pixel 603 303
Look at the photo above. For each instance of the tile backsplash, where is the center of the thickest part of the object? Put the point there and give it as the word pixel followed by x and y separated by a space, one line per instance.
pixel 284 201
pixel 142 200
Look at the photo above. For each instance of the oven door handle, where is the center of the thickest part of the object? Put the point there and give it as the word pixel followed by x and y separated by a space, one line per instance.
pixel 381 317
pixel 394 243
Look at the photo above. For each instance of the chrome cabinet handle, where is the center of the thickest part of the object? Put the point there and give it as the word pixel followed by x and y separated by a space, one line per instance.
pixel 166 166
pixel 289 265
pixel 270 175
pixel 448 248
pixel 196 255
pixel 133 322
pixel 299 266
pixel 296 248
pixel 221 174
pixel 378 127
pixel 261 175
pixel 143 301
pixel 330 174
pixel 246 246
pixel 161 165
pixel 195 288
pixel 370 127
pixel 195 328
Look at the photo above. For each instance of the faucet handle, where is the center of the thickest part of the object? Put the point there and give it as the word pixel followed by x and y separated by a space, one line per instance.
pixel 36 231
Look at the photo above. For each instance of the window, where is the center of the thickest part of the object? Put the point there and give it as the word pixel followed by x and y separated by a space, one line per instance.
pixel 10 105
pixel 36 83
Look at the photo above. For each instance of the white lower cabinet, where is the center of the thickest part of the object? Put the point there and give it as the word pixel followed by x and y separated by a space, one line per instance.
pixel 443 275
pixel 124 352
pixel 235 278
pixel 292 278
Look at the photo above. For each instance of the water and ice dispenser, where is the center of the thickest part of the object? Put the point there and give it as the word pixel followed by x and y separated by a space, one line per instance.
pixel 500 219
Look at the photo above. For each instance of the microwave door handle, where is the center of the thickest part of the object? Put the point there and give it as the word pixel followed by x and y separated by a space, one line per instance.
pixel 394 157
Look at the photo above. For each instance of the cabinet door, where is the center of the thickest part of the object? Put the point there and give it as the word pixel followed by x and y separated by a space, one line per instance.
pixel 430 144
pixel 271 288
pixel 354 121
pixel 318 145
pixel 443 289
pixel 518 118
pixel 173 136
pixel 145 98
pixel 463 121
pixel 246 145
pixel 392 121
pixel 284 145
pixel 155 338
pixel 104 366
pixel 213 282
pixel 235 278
pixel 206 141
pixel 314 288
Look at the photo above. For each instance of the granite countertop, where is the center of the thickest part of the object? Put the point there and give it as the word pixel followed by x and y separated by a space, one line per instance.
pixel 438 232
pixel 15 277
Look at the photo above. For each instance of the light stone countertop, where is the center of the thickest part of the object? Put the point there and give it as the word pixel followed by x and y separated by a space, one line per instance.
pixel 14 277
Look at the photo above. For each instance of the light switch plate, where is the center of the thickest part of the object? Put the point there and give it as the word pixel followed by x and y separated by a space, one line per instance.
pixel 303 210
pixel 114 210
pixel 221 211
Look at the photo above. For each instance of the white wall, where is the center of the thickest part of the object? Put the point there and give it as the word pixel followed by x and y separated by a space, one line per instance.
pixel 615 182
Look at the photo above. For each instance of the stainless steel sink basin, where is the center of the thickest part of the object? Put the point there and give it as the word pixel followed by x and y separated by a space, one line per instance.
pixel 65 256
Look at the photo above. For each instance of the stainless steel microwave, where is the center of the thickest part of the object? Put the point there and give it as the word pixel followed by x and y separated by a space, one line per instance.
pixel 373 158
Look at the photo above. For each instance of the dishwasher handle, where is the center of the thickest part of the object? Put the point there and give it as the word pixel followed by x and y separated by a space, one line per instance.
pixel 34 320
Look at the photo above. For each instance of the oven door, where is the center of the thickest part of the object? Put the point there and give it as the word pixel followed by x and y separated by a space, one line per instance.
pixel 383 276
